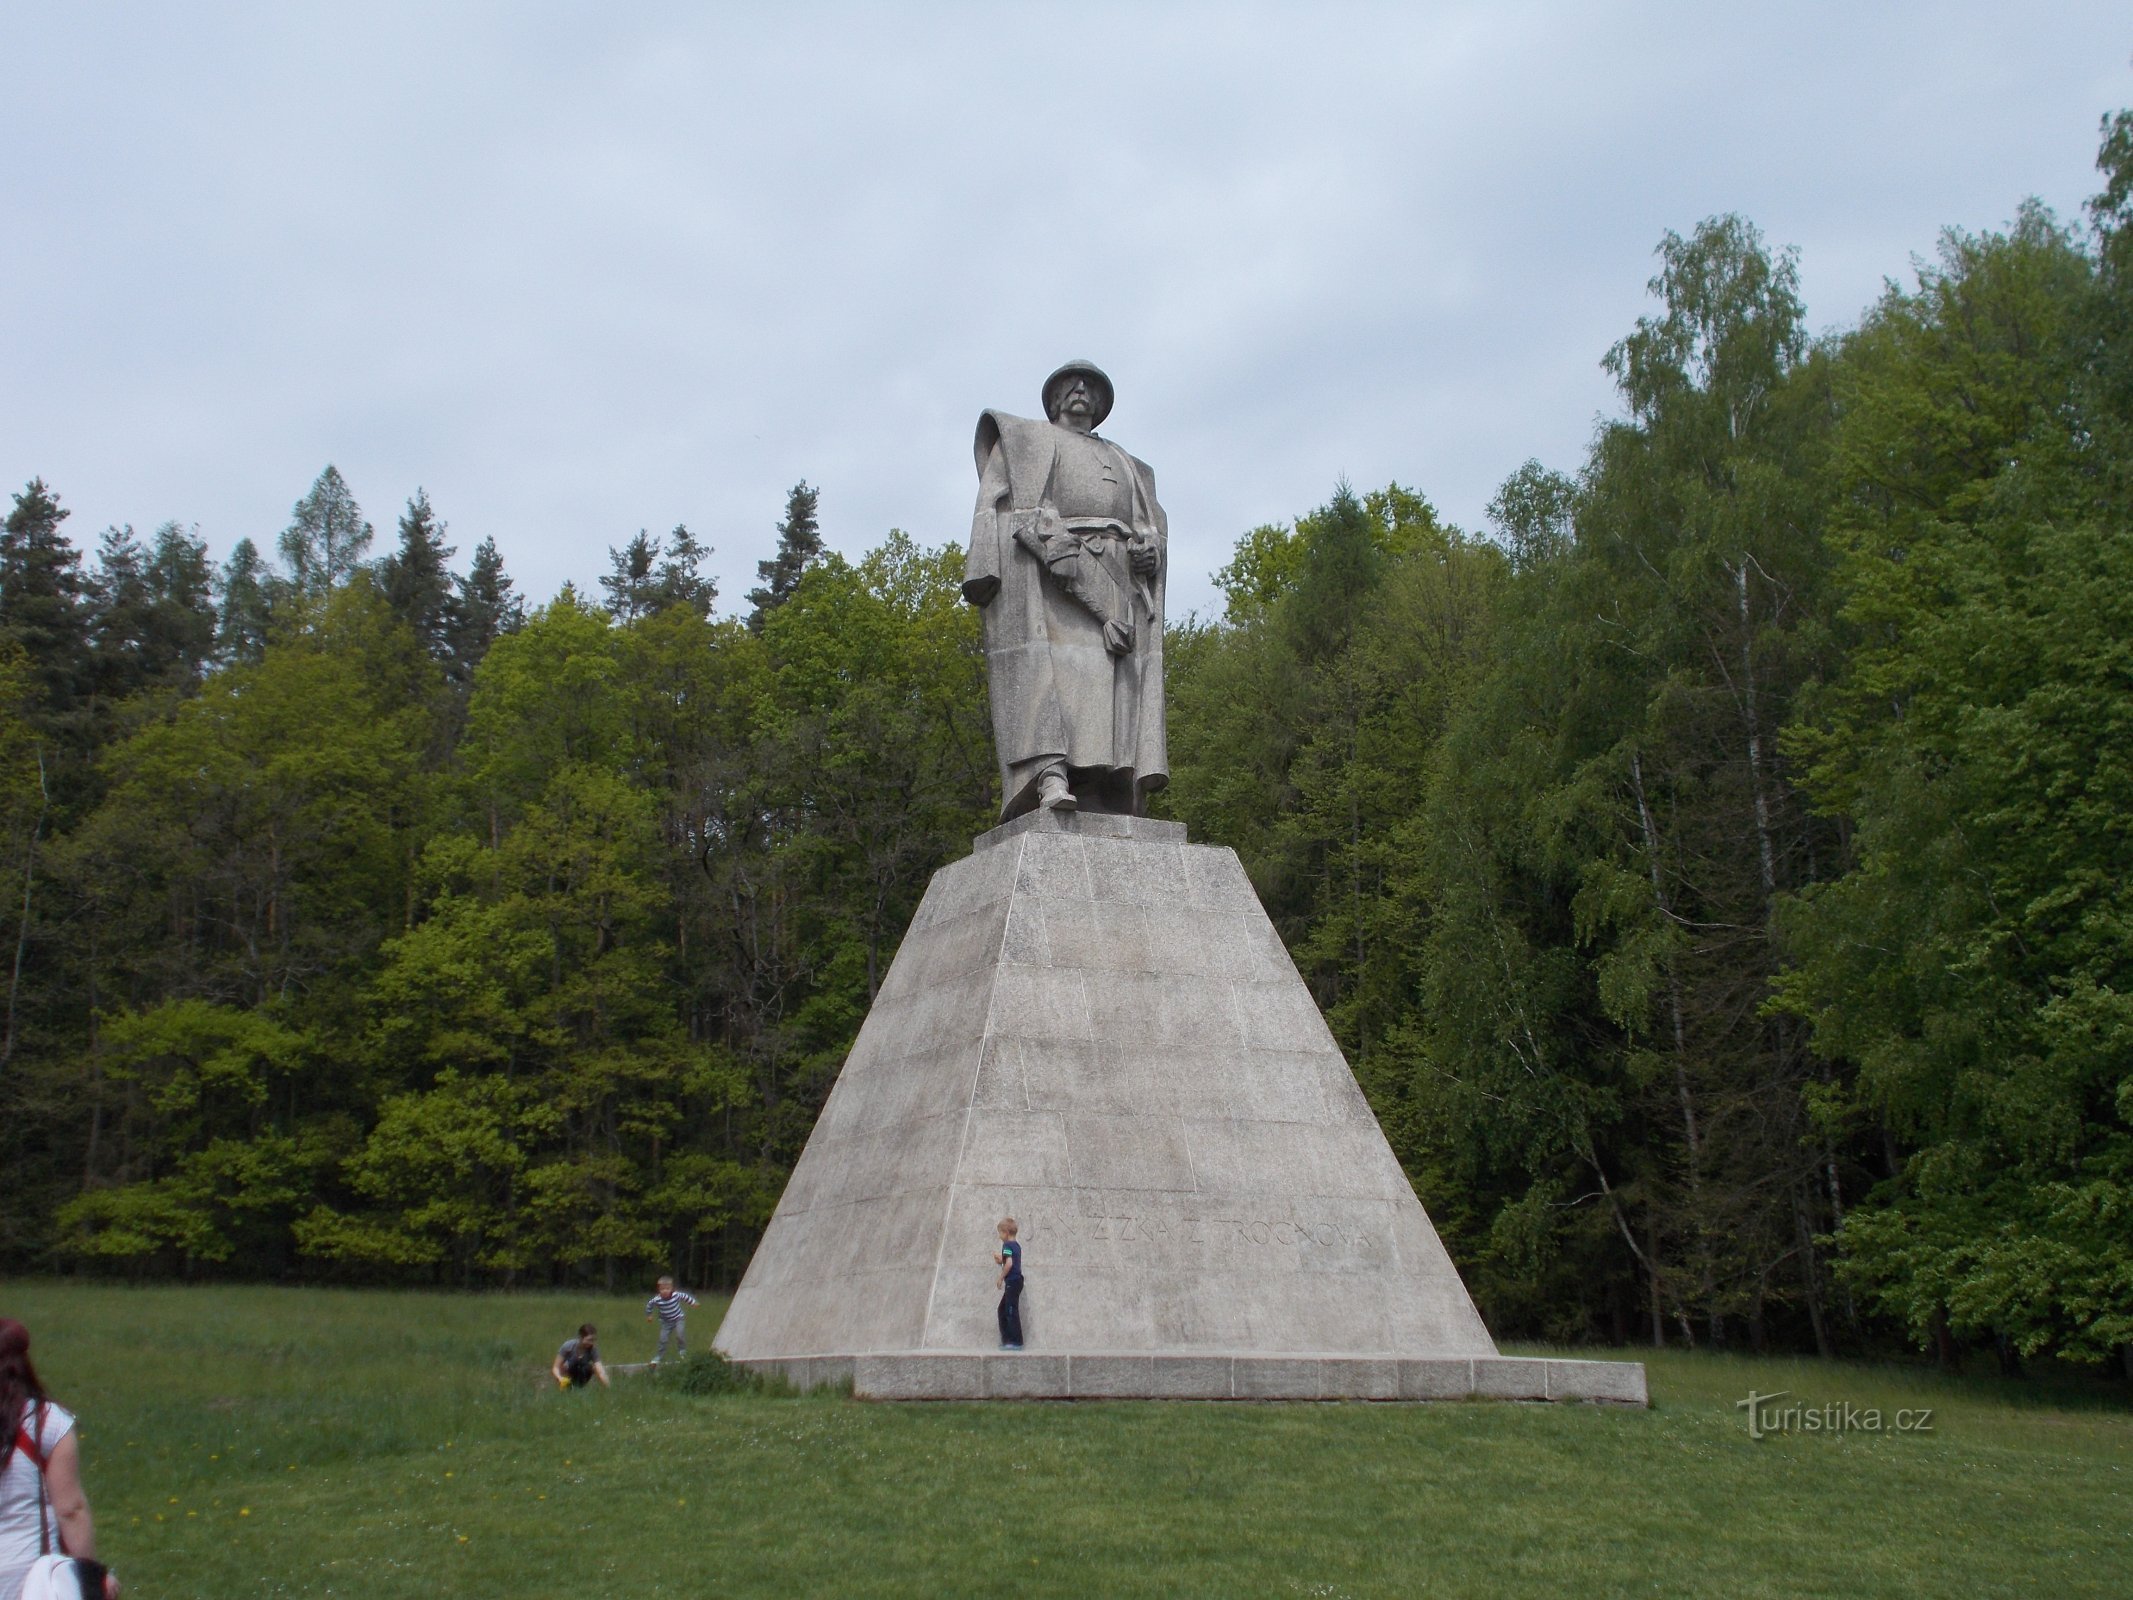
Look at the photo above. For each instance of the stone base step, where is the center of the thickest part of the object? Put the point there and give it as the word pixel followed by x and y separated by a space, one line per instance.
pixel 1033 1375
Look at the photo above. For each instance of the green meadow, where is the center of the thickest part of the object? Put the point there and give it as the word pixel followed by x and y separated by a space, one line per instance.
pixel 268 1441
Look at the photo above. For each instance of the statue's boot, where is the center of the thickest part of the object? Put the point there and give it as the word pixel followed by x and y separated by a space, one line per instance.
pixel 1053 793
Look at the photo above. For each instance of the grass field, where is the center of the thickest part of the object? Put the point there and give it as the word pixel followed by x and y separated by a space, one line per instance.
pixel 254 1441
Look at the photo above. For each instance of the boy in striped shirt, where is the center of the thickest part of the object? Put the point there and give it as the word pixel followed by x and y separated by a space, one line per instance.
pixel 670 1306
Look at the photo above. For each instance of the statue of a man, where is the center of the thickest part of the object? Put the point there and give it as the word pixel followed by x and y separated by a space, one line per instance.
pixel 1067 561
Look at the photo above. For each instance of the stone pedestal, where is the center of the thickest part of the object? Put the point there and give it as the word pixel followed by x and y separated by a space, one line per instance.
pixel 1091 1026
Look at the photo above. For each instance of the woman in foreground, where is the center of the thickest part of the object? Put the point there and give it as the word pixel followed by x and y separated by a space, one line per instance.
pixel 47 1540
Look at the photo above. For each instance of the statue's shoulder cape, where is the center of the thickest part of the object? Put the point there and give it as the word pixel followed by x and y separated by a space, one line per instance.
pixel 1030 445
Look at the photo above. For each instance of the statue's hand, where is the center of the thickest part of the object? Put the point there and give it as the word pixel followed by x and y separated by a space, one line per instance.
pixel 1038 531
pixel 1142 555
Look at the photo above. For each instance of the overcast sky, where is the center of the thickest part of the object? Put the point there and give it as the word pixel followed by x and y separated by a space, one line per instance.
pixel 579 270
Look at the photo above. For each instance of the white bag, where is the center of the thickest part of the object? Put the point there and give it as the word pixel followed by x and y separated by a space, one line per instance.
pixel 54 1578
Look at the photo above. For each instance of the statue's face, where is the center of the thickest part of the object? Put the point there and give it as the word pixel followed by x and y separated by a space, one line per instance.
pixel 1077 406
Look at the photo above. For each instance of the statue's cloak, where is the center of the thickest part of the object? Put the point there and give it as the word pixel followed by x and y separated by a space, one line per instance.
pixel 1057 692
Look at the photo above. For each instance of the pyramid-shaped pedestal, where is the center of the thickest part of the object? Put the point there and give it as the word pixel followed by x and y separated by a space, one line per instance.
pixel 1092 1027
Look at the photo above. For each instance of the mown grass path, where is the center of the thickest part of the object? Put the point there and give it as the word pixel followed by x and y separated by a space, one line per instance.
pixel 254 1441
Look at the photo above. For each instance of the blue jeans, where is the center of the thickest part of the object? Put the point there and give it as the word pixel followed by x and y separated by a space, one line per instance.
pixel 1011 1311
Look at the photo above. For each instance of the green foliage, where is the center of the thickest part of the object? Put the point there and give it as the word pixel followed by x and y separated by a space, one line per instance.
pixel 541 978
pixel 150 628
pixel 326 537
pixel 42 594
pixel 246 591
pixel 709 1373
pixel 485 608
pixel 1534 512
pixel 1973 960
pixel 648 575
pixel 799 548
pixel 1271 559
pixel 417 581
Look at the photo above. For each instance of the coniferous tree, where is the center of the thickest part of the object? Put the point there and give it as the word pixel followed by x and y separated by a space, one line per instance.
pixel 325 541
pixel 44 653
pixel 799 547
pixel 484 610
pixel 417 581
pixel 41 602
pixel 152 623
pixel 118 606
pixel 25 807
pixel 632 579
pixel 246 589
pixel 181 609
pixel 680 583
pixel 1342 566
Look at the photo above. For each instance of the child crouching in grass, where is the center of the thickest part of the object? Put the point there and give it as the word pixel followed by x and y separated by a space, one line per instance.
pixel 670 1306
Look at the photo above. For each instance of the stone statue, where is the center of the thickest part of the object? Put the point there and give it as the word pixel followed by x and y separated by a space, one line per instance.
pixel 1067 561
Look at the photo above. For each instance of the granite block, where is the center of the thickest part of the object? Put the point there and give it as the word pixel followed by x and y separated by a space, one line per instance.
pixel 1001 1083
pixel 1273 1086
pixel 919 1377
pixel 948 948
pixel 1163 1011
pixel 1072 1075
pixel 1510 1378
pixel 1128 1152
pixel 1039 1003
pixel 1015 1147
pixel 1138 873
pixel 1343 1096
pixel 1436 1378
pixel 1113 1377
pixel 1358 1378
pixel 1282 1016
pixel 1275 1378
pixel 1024 941
pixel 1216 879
pixel 1266 957
pixel 1028 1377
pixel 1189 1377
pixel 1053 866
pixel 1620 1382
pixel 962 887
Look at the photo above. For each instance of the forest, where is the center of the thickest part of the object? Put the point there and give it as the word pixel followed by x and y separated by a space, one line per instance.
pixel 1719 870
